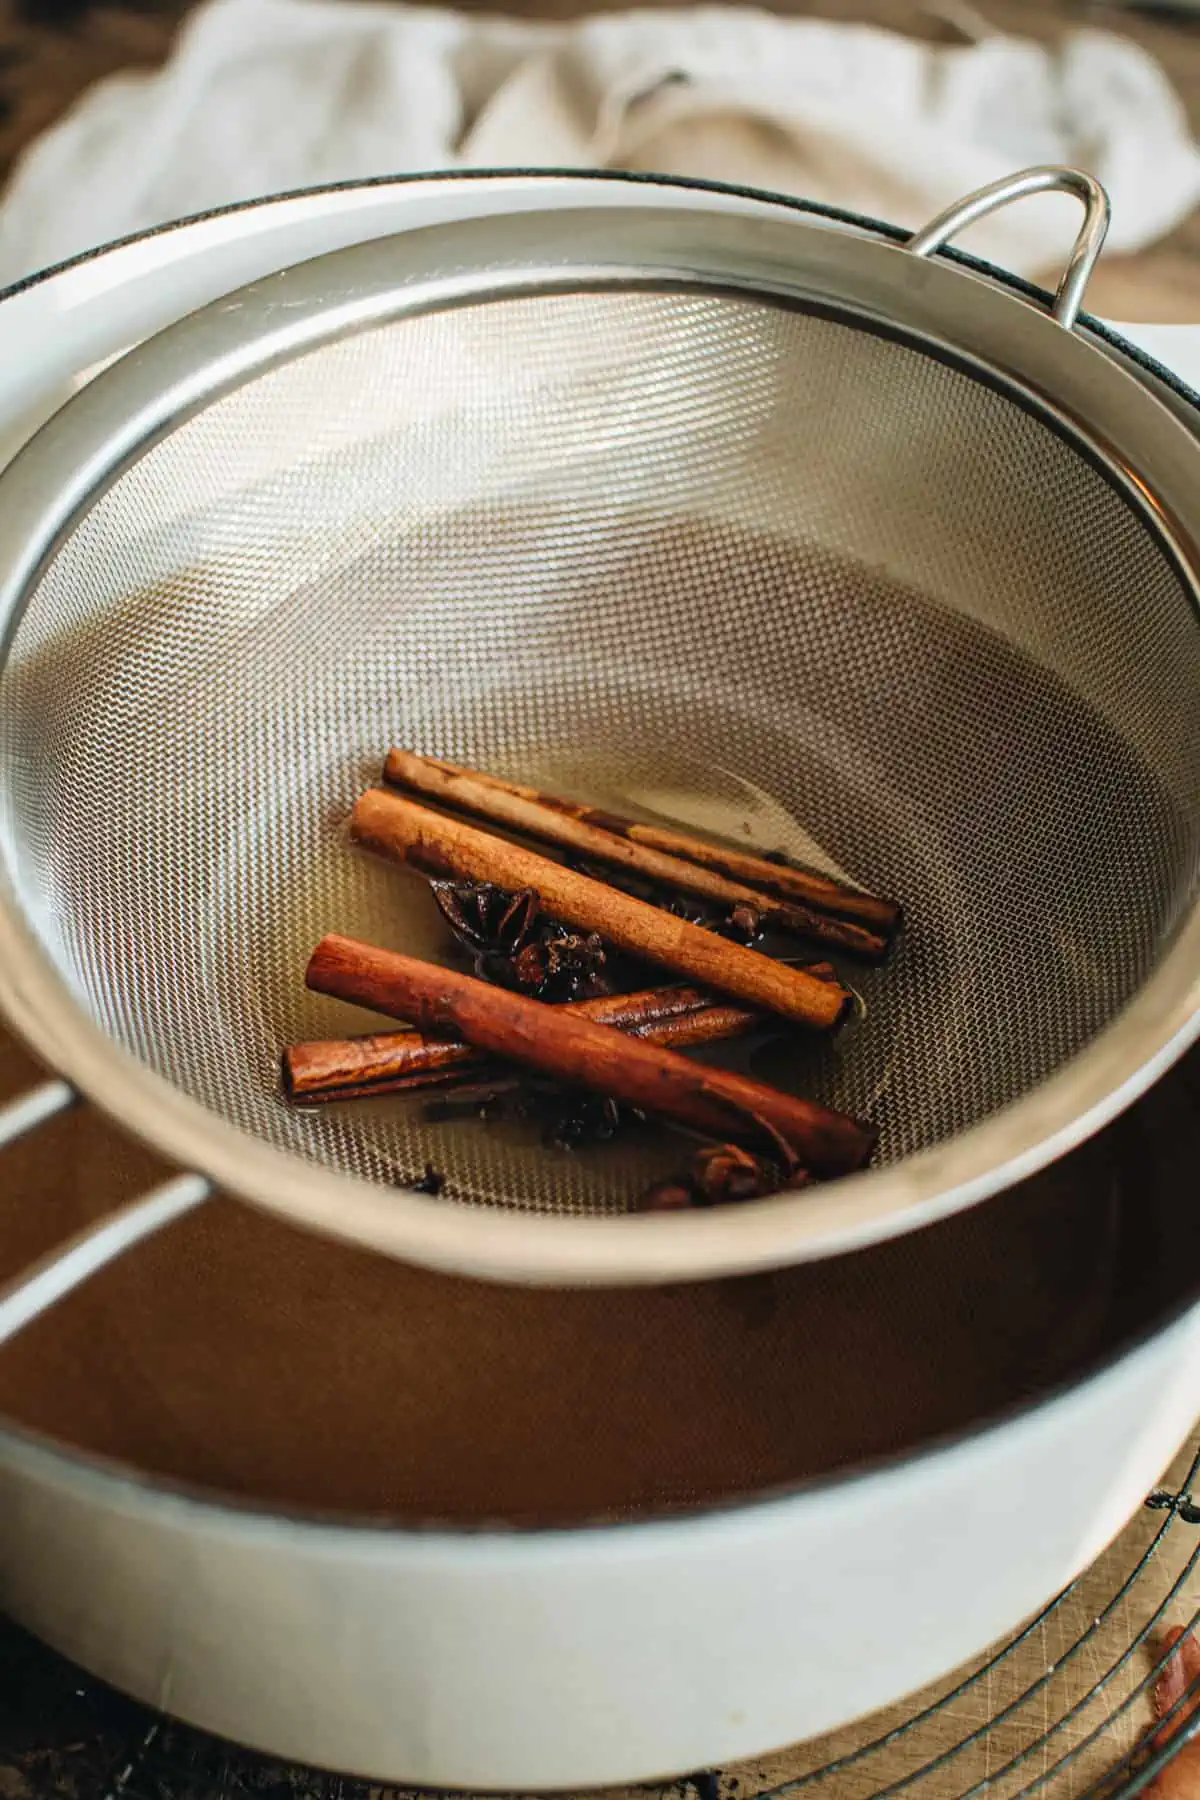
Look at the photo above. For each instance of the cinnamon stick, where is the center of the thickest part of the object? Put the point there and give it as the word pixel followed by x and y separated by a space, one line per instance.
pixel 657 852
pixel 708 1025
pixel 392 1062
pixel 439 845
pixel 555 1040
pixel 1180 1780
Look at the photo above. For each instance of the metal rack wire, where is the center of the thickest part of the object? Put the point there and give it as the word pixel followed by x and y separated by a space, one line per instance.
pixel 1060 1709
pixel 1063 1756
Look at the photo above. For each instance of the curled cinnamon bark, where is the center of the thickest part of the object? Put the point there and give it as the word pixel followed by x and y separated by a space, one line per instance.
pixel 581 1053
pixel 502 804
pixel 397 1062
pixel 442 846
pixel 1177 1705
pixel 795 899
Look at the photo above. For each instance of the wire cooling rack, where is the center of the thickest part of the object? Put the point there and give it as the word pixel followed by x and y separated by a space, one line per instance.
pixel 1062 1708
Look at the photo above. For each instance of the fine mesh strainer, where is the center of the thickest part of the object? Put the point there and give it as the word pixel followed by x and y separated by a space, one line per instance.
pixel 773 529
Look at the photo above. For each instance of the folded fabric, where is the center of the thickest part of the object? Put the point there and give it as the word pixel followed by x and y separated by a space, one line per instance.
pixel 266 96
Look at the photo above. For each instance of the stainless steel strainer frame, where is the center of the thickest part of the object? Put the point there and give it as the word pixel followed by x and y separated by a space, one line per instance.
pixel 1144 449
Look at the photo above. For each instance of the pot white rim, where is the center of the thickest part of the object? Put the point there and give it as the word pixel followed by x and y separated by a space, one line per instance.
pixel 111 1481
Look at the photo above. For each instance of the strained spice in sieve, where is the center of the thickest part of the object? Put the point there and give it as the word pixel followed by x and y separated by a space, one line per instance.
pixel 543 930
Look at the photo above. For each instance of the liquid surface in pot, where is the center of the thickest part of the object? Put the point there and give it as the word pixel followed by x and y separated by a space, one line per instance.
pixel 245 1359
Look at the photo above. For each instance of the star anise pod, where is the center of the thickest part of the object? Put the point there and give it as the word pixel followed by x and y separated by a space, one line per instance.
pixel 723 1173
pixel 562 965
pixel 744 924
pixel 487 919
pixel 718 1175
pixel 514 945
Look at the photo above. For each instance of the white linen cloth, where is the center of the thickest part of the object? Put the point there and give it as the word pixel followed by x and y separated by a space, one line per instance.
pixel 266 96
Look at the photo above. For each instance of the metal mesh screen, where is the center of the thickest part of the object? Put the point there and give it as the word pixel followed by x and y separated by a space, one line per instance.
pixel 698 557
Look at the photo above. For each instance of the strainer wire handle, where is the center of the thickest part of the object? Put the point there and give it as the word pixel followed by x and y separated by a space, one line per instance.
pixel 34 1108
pixel 56 1275
pixel 1048 180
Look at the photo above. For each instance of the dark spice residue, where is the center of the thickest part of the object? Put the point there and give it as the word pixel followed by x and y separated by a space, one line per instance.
pixel 718 1175
pixel 547 929
pixel 516 946
pixel 566 1118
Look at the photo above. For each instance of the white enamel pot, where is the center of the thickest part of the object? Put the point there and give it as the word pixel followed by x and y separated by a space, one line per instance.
pixel 570 1653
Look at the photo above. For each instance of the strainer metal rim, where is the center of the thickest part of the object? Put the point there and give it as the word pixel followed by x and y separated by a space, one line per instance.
pixel 1108 411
